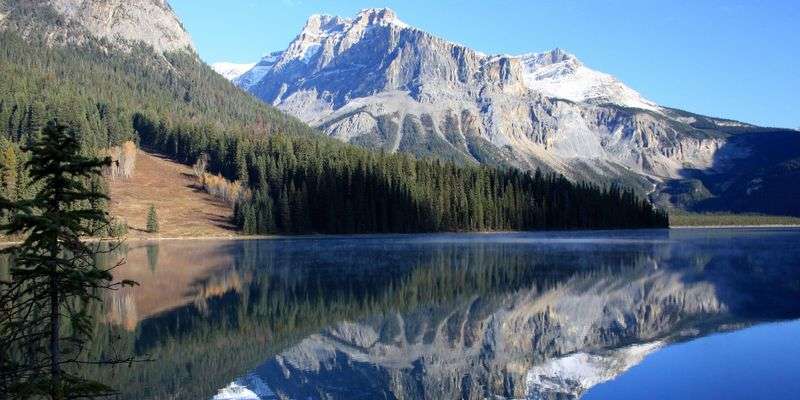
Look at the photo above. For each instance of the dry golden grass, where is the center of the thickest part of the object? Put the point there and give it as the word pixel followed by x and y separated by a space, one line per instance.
pixel 184 209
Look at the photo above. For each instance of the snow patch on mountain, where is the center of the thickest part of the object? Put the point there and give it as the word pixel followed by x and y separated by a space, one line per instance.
pixel 235 391
pixel 249 387
pixel 322 29
pixel 231 71
pixel 318 28
pixel 255 74
pixel 571 376
pixel 562 75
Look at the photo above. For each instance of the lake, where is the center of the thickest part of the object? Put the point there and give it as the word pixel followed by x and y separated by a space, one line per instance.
pixel 656 314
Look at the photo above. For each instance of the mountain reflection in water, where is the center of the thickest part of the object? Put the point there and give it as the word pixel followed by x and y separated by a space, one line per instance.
pixel 524 315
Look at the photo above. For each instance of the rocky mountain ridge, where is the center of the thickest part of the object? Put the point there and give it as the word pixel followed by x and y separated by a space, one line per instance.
pixel 353 77
pixel 122 23
pixel 375 81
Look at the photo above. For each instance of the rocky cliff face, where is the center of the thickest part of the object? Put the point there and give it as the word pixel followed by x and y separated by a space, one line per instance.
pixel 122 23
pixel 374 80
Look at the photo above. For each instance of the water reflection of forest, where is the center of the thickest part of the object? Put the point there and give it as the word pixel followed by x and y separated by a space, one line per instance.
pixel 212 311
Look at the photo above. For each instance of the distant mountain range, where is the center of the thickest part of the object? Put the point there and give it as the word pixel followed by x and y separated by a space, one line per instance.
pixel 375 81
pixel 232 71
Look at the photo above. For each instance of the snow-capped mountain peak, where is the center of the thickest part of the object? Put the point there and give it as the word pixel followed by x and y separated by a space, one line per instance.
pixel 570 376
pixel 330 34
pixel 230 70
pixel 318 28
pixel 555 56
pixel 561 75
pixel 379 16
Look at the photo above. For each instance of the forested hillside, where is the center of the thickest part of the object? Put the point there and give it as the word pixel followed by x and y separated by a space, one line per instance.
pixel 300 182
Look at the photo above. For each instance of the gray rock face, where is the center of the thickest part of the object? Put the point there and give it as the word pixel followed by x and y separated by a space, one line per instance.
pixel 122 22
pixel 375 81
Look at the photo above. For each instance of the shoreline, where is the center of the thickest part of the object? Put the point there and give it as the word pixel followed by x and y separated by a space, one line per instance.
pixel 766 226
pixel 336 235
pixel 135 239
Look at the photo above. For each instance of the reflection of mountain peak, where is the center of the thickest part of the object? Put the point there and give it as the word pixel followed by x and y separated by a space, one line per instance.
pixel 250 387
pixel 553 343
pixel 569 377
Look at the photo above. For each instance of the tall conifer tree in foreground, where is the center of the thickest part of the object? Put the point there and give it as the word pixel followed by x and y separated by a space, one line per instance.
pixel 55 281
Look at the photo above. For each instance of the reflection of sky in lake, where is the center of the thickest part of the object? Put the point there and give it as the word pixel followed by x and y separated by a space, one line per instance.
pixel 762 362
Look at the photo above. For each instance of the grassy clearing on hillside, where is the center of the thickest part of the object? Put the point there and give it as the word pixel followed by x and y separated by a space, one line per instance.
pixel 720 219
pixel 184 209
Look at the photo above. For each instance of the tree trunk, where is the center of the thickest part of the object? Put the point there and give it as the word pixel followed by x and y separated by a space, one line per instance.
pixel 56 390
pixel 56 387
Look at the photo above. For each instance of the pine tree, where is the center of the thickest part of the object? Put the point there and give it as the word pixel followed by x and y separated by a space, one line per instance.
pixel 152 256
pixel 266 219
pixel 152 220
pixel 249 225
pixel 284 212
pixel 55 278
pixel 8 172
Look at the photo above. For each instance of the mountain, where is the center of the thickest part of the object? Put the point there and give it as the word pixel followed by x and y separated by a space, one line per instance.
pixel 122 23
pixel 231 71
pixel 114 85
pixel 375 81
pixel 104 62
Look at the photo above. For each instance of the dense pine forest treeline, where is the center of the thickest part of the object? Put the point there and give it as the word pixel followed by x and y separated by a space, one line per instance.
pixel 303 185
pixel 299 182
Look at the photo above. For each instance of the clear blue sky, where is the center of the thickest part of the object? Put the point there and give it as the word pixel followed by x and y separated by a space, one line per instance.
pixel 729 58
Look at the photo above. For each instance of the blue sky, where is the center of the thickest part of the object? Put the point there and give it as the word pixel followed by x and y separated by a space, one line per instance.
pixel 734 59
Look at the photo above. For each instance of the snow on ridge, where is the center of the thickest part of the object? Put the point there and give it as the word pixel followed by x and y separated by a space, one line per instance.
pixel 320 28
pixel 560 74
pixel 380 16
pixel 230 70
pixel 576 373
pixel 249 387
pixel 235 391
pixel 255 74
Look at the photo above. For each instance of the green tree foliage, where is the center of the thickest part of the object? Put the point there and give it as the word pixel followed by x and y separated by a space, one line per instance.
pixel 8 173
pixel 152 219
pixel 55 279
pixel 316 185
pixel 99 90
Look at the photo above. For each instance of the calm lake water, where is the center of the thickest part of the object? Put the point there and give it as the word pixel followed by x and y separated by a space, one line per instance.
pixel 560 315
